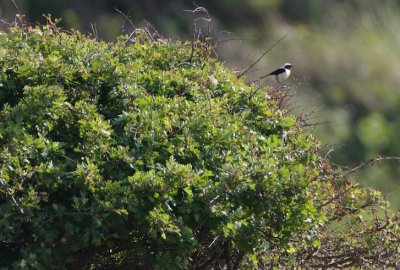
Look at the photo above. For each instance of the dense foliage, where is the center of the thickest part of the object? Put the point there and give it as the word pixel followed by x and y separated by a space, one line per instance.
pixel 359 112
pixel 147 153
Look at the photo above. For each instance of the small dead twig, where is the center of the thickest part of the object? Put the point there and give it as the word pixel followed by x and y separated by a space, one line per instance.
pixel 197 33
pixel 127 18
pixel 154 33
pixel 327 155
pixel 94 30
pixel 207 19
pixel 149 30
pixel 19 15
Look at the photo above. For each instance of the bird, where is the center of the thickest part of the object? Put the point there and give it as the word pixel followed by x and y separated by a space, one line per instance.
pixel 280 74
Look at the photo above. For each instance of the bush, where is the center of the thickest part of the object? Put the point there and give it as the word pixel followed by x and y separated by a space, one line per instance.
pixel 147 153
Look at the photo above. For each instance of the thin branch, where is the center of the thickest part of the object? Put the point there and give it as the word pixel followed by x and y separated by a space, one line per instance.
pixel 370 162
pixel 126 18
pixel 212 243
pixel 130 22
pixel 233 39
pixel 259 59
pixel 16 6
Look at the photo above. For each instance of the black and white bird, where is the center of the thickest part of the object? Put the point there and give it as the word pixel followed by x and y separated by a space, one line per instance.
pixel 280 74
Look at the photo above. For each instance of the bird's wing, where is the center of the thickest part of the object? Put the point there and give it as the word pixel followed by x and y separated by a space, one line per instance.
pixel 277 71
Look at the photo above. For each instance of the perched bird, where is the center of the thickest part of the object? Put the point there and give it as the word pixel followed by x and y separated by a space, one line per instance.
pixel 280 74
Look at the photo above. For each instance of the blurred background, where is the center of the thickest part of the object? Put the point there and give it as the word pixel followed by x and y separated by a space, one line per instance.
pixel 346 56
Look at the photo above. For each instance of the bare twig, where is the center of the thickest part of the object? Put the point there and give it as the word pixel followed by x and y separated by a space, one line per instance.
pixel 259 59
pixel 234 39
pixel 126 18
pixel 153 33
pixel 19 15
pixel 197 33
pixel 370 162
pixel 16 6
pixel 200 9
pixel 212 243
pixel 135 28
pixel 94 30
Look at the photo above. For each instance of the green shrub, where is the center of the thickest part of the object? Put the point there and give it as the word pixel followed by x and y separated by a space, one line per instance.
pixel 147 153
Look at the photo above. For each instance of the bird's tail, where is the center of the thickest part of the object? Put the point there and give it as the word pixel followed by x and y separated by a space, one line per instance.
pixel 268 76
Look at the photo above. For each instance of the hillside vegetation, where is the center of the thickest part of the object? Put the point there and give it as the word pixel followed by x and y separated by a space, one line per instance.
pixel 147 153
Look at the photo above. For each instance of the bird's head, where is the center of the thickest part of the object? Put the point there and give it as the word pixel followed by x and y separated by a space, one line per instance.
pixel 287 66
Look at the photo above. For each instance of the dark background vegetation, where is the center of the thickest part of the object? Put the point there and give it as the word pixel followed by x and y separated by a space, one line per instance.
pixel 345 55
